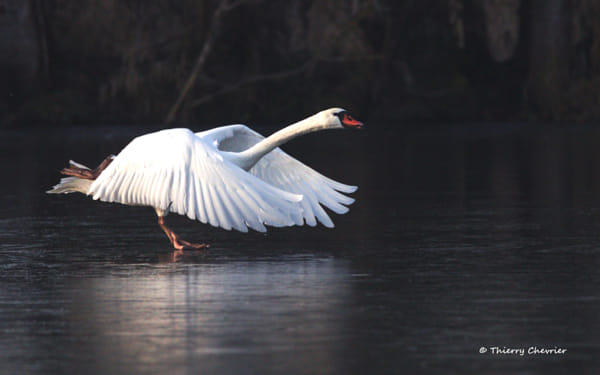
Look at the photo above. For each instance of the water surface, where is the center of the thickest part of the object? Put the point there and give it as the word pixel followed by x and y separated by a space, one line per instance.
pixel 462 237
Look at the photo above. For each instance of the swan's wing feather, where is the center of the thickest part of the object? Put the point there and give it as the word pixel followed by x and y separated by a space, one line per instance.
pixel 177 171
pixel 232 138
pixel 287 173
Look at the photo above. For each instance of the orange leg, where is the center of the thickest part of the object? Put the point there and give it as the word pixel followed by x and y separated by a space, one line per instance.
pixel 177 242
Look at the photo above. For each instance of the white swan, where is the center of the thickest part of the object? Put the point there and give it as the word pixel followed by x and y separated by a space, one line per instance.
pixel 229 177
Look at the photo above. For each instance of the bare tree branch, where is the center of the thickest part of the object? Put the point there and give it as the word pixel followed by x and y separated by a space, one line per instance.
pixel 224 7
pixel 195 75
pixel 233 4
pixel 254 79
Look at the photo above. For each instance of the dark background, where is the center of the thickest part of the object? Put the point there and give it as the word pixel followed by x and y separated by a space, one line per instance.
pixel 479 229
pixel 117 62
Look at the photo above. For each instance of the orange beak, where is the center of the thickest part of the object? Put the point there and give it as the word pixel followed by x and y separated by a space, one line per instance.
pixel 350 122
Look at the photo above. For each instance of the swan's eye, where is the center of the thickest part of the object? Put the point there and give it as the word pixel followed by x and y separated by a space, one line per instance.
pixel 340 115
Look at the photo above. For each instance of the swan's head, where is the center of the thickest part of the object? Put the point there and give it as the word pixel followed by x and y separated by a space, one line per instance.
pixel 340 118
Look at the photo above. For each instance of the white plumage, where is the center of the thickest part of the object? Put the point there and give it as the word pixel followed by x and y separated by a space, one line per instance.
pixel 282 171
pixel 229 177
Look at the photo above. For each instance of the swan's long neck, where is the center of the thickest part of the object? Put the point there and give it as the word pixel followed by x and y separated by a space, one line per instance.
pixel 246 159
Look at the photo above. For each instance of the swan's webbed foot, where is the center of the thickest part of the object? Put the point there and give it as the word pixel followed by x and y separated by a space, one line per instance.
pixel 177 242
pixel 180 244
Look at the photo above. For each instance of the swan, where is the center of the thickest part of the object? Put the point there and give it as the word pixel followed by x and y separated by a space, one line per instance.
pixel 230 177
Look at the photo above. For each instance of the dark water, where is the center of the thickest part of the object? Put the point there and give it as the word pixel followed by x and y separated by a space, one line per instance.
pixel 480 236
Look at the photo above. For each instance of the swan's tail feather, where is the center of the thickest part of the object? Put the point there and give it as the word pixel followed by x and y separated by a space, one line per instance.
pixel 71 185
pixel 81 177
pixel 78 170
pixel 78 165
pixel 81 171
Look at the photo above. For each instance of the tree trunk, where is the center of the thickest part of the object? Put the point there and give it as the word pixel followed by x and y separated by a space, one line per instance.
pixel 548 61
pixel 502 27
pixel 19 52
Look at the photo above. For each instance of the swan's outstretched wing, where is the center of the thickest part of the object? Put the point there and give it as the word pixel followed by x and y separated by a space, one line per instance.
pixel 285 172
pixel 174 170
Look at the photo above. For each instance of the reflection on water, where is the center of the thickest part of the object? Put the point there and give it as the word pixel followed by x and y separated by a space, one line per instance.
pixel 460 239
pixel 163 320
pixel 166 318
